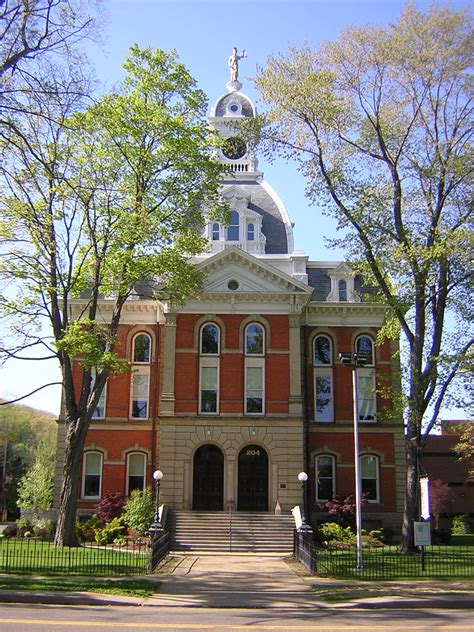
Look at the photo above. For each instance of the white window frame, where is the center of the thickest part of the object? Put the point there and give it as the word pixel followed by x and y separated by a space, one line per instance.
pixel 254 363
pixel 323 369
pixel 248 353
pixel 366 376
pixel 370 361
pixel 209 362
pixel 137 335
pixel 208 354
pixel 333 477
pixel 129 456
pixel 102 399
pixel 375 500
pixel 139 370
pixel 85 473
pixel 324 372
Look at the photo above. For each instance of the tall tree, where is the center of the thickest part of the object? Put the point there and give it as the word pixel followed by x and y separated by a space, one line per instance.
pixel 380 123
pixel 96 201
pixel 31 29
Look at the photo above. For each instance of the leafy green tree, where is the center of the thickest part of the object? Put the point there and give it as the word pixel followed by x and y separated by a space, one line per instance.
pixel 380 123
pixel 100 203
pixel 35 489
pixel 139 510
pixel 465 445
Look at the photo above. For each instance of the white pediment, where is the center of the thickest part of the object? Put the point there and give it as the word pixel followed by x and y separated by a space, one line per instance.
pixel 236 271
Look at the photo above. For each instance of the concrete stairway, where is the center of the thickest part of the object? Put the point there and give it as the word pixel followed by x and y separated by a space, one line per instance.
pixel 221 531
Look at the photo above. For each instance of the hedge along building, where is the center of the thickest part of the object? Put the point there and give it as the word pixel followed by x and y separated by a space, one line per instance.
pixel 234 394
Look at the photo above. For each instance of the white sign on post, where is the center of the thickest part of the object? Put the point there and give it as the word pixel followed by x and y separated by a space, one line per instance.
pixel 422 533
pixel 424 498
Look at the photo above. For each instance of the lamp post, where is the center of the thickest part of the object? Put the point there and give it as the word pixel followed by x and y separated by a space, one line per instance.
pixel 354 360
pixel 303 478
pixel 156 525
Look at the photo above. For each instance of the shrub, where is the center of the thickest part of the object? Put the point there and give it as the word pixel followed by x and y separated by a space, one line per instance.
pixel 86 530
pixel 43 528
pixel 24 526
pixel 333 532
pixel 110 533
pixel 139 510
pixel 110 507
pixel 376 534
pixel 460 525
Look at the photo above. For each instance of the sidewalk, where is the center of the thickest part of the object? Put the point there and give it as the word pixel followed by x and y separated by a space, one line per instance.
pixel 264 581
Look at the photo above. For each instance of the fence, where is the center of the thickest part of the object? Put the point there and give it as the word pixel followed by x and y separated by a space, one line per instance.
pixel 385 562
pixel 38 556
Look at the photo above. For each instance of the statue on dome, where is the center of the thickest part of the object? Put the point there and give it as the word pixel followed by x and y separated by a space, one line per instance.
pixel 234 63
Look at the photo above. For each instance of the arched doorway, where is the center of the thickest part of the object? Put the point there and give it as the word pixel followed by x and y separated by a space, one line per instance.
pixel 253 479
pixel 208 478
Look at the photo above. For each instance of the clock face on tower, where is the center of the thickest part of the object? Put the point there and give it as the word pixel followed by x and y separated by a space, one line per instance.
pixel 234 148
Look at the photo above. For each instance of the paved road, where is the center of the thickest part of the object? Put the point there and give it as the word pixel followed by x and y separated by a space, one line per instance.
pixel 31 618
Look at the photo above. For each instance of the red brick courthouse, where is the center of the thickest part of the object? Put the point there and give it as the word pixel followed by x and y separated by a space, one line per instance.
pixel 234 394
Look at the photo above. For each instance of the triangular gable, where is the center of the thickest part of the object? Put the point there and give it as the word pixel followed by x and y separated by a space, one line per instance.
pixel 251 274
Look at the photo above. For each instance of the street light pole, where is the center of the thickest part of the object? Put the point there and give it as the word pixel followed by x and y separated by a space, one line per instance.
pixel 353 360
pixel 303 478
pixel 156 526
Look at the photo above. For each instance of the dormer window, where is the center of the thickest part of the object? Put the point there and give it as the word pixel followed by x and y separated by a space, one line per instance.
pixel 216 232
pixel 233 228
pixel 342 285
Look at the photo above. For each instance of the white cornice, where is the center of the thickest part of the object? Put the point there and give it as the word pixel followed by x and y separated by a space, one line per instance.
pixel 346 314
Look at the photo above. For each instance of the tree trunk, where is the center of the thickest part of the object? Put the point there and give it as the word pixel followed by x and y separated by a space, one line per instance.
pixel 67 510
pixel 410 513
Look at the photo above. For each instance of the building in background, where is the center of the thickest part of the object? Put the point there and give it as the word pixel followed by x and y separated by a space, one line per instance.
pixel 233 394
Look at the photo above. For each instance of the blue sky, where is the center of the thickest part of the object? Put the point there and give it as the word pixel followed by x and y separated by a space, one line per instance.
pixel 203 32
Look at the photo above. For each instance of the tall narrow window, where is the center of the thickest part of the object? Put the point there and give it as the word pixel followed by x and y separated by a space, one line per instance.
pixel 254 339
pixel 250 232
pixel 325 477
pixel 209 346
pixel 254 369
pixel 141 356
pixel 233 230
pixel 323 380
pixel 136 468
pixel 216 233
pixel 342 287
pixel 92 475
pixel 99 412
pixel 366 391
pixel 369 475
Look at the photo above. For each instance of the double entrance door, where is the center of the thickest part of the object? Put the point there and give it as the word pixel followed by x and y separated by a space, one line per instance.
pixel 252 479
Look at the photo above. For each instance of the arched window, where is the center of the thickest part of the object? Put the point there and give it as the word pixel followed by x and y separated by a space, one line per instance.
pixel 136 468
pixel 92 474
pixel 323 379
pixel 366 390
pixel 254 339
pixel 216 232
pixel 141 348
pixel 369 476
pixel 233 230
pixel 342 289
pixel 209 344
pixel 141 357
pixel 250 232
pixel 325 465
pixel 209 349
pixel 365 345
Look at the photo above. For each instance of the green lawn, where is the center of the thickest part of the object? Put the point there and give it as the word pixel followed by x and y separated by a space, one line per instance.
pixel 386 563
pixel 124 587
pixel 34 556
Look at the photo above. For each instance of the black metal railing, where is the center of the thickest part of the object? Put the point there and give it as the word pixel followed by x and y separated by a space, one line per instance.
pixel 26 555
pixel 384 562
pixel 160 547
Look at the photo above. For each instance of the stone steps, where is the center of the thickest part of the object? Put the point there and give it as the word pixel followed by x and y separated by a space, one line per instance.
pixel 239 532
